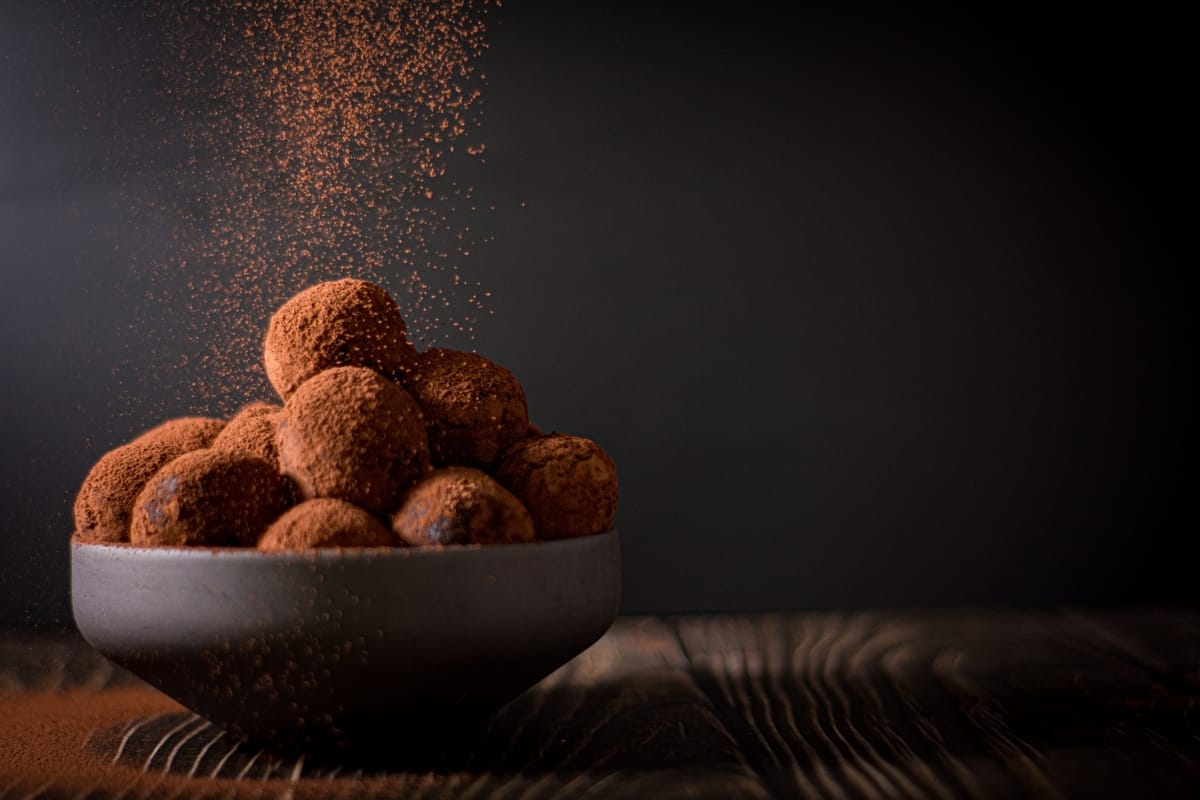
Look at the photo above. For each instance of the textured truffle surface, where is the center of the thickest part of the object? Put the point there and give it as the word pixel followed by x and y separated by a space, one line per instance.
pixel 325 522
pixel 185 433
pixel 568 483
pixel 208 497
pixel 105 501
pixel 348 322
pixel 461 505
pixel 474 408
pixel 251 430
pixel 350 433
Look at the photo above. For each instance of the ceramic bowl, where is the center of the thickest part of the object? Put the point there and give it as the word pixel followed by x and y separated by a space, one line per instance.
pixel 336 646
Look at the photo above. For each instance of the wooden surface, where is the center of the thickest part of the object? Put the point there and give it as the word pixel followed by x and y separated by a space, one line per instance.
pixel 921 704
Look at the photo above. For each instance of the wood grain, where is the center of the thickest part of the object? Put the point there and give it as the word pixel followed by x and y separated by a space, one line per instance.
pixel 973 703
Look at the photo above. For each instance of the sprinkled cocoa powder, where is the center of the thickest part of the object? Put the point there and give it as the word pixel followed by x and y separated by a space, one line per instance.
pixel 352 434
pixel 105 500
pixel 325 522
pixel 322 137
pixel 210 498
pixel 568 483
pixel 461 505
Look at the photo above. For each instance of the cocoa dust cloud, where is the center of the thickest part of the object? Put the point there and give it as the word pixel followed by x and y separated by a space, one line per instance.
pixel 376 444
pixel 319 140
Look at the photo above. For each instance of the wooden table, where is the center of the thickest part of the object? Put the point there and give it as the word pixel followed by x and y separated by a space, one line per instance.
pixel 978 703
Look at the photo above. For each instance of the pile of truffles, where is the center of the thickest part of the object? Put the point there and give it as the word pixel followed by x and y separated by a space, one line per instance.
pixel 374 445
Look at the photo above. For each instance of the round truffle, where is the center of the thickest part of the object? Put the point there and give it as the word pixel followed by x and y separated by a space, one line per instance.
pixel 351 433
pixel 568 483
pixel 461 505
pixel 474 408
pixel 105 500
pixel 251 430
pixel 210 498
pixel 185 433
pixel 325 522
pixel 334 324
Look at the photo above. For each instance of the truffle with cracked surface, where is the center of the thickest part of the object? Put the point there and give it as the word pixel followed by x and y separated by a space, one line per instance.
pixel 568 483
pixel 210 498
pixel 461 505
pixel 325 522
pixel 474 408
pixel 352 434
pixel 251 430
pixel 105 501
pixel 341 323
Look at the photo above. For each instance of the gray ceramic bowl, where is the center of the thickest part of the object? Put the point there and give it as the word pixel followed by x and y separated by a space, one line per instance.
pixel 334 646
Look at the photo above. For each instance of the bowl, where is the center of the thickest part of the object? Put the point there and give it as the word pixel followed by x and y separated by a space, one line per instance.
pixel 343 646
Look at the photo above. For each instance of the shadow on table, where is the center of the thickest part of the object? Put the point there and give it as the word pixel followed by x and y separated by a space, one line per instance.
pixel 643 723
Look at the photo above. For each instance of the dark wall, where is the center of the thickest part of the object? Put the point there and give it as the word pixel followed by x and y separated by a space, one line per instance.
pixel 869 309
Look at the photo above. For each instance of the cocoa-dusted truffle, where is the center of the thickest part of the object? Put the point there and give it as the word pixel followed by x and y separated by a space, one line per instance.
pixel 251 430
pixel 353 434
pixel 325 522
pixel 474 408
pixel 105 500
pixel 208 497
pixel 568 483
pixel 185 433
pixel 334 324
pixel 461 505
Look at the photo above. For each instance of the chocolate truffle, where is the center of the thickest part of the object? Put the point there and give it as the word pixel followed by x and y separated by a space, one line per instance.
pixel 338 323
pixel 105 500
pixel 568 483
pixel 474 408
pixel 351 433
pixel 185 433
pixel 461 505
pixel 325 522
pixel 251 430
pixel 208 497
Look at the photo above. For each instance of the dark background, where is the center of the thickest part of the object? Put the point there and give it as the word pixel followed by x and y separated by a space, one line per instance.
pixel 869 308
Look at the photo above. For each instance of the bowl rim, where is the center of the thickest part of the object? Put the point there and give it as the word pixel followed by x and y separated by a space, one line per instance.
pixel 386 552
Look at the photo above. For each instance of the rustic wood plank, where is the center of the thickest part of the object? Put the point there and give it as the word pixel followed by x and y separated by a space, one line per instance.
pixel 971 703
pixel 937 704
